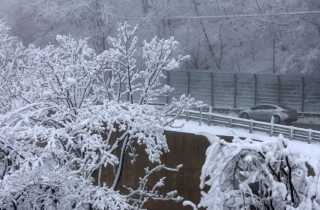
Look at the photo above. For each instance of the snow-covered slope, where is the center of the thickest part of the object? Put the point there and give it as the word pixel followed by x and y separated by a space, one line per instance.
pixel 309 152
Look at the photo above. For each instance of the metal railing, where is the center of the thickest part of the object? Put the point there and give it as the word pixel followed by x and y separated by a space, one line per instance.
pixel 290 132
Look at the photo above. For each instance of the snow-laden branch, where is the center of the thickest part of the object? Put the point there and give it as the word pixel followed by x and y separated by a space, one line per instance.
pixel 263 175
pixel 69 114
pixel 136 195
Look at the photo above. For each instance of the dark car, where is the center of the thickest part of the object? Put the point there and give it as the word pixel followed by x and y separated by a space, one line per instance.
pixel 264 112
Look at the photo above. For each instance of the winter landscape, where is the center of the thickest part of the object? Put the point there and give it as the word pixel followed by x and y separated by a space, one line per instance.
pixel 95 95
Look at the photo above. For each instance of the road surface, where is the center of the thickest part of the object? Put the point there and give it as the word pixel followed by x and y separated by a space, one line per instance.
pixel 307 126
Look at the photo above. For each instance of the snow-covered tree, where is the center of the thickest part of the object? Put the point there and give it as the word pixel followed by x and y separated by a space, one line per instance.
pixel 227 42
pixel 69 105
pixel 248 174
pixel 38 21
pixel 10 52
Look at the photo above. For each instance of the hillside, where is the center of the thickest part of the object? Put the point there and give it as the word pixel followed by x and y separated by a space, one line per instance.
pixel 218 35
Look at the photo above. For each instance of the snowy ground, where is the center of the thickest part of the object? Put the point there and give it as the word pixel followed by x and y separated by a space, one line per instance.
pixel 309 152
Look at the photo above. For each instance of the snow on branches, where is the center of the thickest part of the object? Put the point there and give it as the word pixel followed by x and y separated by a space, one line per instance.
pixel 69 102
pixel 10 52
pixel 248 174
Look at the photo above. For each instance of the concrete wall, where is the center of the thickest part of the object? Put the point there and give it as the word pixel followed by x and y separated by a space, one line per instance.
pixel 187 149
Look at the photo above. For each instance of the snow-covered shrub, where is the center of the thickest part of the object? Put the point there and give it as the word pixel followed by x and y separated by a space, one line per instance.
pixel 248 174
pixel 66 110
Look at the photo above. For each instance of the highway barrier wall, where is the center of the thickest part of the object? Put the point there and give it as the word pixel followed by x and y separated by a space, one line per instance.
pixel 244 90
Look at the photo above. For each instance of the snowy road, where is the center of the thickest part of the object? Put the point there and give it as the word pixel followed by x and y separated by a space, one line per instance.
pixel 307 126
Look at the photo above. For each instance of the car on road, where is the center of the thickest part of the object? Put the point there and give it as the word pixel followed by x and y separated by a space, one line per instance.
pixel 265 112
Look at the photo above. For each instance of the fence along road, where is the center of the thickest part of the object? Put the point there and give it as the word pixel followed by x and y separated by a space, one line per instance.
pixel 290 132
pixel 243 90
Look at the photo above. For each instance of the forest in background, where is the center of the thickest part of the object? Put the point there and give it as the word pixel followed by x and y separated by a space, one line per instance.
pixel 61 115
pixel 220 35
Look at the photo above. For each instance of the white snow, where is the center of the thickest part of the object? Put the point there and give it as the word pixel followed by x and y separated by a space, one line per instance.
pixel 59 38
pixel 309 152
pixel 189 203
pixel 47 93
pixel 71 81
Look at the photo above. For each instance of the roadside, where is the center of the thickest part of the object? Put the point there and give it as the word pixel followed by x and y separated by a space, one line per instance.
pixel 308 152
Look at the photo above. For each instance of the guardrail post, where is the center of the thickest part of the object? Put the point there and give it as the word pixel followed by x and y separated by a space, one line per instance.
pixel 271 130
pixel 309 136
pixel 251 126
pixel 200 118
pixel 230 122
pixel 209 116
pixel 291 133
pixel 187 116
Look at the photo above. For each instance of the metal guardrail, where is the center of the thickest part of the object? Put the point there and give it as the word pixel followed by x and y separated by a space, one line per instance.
pixel 290 132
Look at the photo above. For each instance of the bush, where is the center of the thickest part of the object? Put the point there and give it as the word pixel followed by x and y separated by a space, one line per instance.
pixel 247 174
